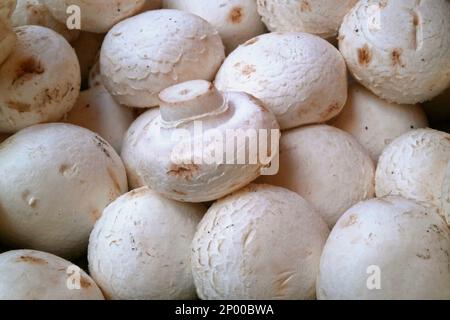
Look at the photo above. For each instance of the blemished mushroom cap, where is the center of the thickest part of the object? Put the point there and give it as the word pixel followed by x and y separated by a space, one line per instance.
pixel 400 50
pixel 374 122
pixel 140 248
pixel 300 77
pixel 96 15
pixel 7 8
pixel 236 20
pixel 319 17
pixel 327 167
pixel 40 80
pixel 56 181
pixel 172 47
pixel 262 242
pixel 413 166
pixel 35 275
pixel 97 111
pixel 7 39
pixel 445 198
pixel 386 248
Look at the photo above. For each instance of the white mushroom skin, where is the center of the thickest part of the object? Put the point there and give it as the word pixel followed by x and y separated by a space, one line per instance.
pixel 445 198
pixel 327 167
pixel 96 15
pixel 56 181
pixel 140 248
pixel 236 20
pixel 400 50
pixel 413 166
pixel 300 77
pixel 7 39
pixel 319 17
pixel 172 47
pixel 374 122
pixel 35 275
pixel 262 242
pixel 7 8
pixel 386 248
pixel 97 111
pixel 33 88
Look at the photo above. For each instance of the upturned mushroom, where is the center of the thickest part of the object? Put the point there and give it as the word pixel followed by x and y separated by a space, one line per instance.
pixel 33 88
pixel 8 39
pixel 236 20
pixel 374 122
pixel 386 248
pixel 400 50
pixel 327 167
pixel 319 17
pixel 413 166
pixel 262 242
pixel 140 248
pixel 300 77
pixel 35 275
pixel 171 47
pixel 197 149
pixel 56 181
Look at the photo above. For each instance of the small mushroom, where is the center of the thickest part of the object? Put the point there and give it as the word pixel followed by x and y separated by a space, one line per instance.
pixel 262 242
pixel 445 198
pixel 387 248
pixel 319 17
pixel 140 248
pixel 7 8
pixel 35 275
pixel 56 181
pixel 300 77
pixel 413 166
pixel 168 47
pixel 327 167
pixel 400 50
pixel 7 39
pixel 374 122
pixel 236 20
pixel 40 80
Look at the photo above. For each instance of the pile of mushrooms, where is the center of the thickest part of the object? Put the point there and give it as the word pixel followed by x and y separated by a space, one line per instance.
pixel 233 149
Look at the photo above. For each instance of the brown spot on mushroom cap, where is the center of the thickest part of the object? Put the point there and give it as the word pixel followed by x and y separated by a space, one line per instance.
pixel 85 283
pixel 96 214
pixel 395 56
pixel 247 70
pixel 364 55
pixel 330 111
pixel 383 4
pixel 305 6
pixel 32 260
pixel 236 15
pixel 351 221
pixel 185 171
pixel 102 145
pixel 27 68
pixel 19 106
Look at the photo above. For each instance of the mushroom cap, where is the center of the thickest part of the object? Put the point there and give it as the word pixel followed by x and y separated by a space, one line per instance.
pixel 97 111
pixel 445 198
pixel 236 20
pixel 400 50
pixel 172 47
pixel 413 166
pixel 262 242
pixel 35 275
pixel 34 12
pixel 403 243
pixel 96 15
pixel 374 122
pixel 56 181
pixel 438 109
pixel 7 8
pixel 7 39
pixel 319 17
pixel 32 87
pixel 327 167
pixel 300 77
pixel 140 248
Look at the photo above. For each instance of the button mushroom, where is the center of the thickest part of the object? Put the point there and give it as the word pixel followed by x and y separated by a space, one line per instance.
pixel 7 39
pixel 56 179
pixel 400 50
pixel 300 77
pixel 386 248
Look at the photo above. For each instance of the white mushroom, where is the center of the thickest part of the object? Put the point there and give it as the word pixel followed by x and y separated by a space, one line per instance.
pixel 40 80
pixel 140 248
pixel 387 248
pixel 445 198
pixel 320 17
pixel 185 153
pixel 97 111
pixel 7 8
pixel 171 47
pixel 262 242
pixel 438 109
pixel 374 122
pixel 300 77
pixel 400 50
pixel 7 39
pixel 56 181
pixel 327 167
pixel 236 20
pixel 413 166
pixel 96 15
pixel 35 275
